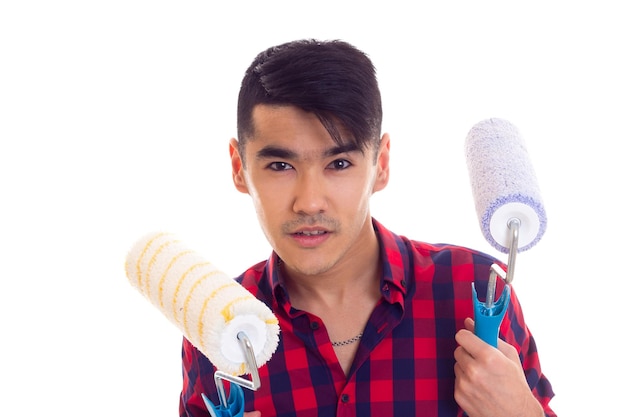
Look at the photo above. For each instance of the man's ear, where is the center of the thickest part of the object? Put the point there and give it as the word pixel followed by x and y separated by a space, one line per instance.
pixel 382 164
pixel 237 166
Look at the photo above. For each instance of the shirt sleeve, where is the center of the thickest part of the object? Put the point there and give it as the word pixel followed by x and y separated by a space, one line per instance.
pixel 197 379
pixel 515 332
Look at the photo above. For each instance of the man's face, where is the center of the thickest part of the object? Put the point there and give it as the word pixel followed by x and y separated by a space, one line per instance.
pixel 310 194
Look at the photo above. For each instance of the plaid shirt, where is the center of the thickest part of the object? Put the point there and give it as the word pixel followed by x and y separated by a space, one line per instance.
pixel 404 365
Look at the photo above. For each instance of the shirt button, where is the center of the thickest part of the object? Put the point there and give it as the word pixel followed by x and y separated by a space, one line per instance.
pixel 315 325
pixel 403 282
pixel 345 398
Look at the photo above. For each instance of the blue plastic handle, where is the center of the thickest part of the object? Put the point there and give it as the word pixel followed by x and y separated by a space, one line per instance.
pixel 235 405
pixel 487 320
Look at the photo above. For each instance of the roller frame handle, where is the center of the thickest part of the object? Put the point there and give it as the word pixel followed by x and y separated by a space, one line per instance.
pixel 487 320
pixel 232 408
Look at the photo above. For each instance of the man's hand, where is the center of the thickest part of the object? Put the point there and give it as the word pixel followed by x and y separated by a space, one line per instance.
pixel 490 382
pixel 252 414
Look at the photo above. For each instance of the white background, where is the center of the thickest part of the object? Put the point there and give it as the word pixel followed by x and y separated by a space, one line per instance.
pixel 114 122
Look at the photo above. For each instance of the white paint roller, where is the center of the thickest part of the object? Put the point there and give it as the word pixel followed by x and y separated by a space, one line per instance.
pixel 509 208
pixel 503 184
pixel 210 308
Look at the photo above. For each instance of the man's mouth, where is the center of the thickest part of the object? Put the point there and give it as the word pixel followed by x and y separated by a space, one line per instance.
pixel 311 232
pixel 311 238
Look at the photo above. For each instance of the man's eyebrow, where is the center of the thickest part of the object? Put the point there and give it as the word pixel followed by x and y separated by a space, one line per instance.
pixel 276 152
pixel 339 149
pixel 271 152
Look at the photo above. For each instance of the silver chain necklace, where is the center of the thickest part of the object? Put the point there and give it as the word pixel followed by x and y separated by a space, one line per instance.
pixel 347 342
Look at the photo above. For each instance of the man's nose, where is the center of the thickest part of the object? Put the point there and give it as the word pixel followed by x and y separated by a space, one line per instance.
pixel 310 194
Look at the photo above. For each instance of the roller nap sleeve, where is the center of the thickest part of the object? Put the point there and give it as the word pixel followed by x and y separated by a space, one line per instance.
pixel 208 307
pixel 503 184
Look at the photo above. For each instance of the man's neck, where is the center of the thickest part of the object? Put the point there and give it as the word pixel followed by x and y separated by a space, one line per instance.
pixel 348 282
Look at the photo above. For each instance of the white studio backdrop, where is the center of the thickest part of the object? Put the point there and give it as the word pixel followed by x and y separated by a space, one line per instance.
pixel 114 122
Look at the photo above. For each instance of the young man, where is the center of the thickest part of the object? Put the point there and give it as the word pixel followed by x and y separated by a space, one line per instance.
pixel 372 323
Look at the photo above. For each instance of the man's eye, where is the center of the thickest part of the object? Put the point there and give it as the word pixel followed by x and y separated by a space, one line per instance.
pixel 340 164
pixel 279 166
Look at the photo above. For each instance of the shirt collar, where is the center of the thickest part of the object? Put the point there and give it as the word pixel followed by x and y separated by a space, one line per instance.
pixel 395 262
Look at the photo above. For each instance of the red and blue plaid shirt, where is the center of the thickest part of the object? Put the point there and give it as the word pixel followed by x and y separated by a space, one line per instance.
pixel 404 365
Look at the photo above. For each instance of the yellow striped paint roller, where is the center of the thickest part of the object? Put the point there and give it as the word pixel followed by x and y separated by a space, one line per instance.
pixel 211 309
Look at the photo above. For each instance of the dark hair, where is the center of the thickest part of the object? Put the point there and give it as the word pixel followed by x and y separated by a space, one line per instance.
pixel 332 79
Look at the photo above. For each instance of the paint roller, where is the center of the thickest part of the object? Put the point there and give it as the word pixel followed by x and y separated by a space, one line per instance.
pixel 231 327
pixel 510 210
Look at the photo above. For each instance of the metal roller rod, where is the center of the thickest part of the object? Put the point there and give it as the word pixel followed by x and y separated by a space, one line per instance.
pixel 252 384
pixel 491 287
pixel 514 225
